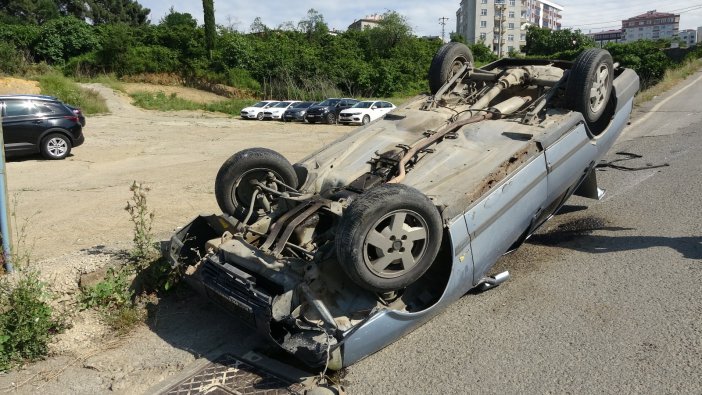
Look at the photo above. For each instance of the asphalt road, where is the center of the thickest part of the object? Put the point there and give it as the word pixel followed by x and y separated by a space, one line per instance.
pixel 606 298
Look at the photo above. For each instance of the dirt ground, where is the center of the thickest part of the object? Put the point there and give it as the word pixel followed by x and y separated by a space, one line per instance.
pixel 71 215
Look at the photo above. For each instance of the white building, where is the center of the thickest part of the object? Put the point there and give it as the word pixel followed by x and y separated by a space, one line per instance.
pixel 368 22
pixel 501 24
pixel 650 26
pixel 689 36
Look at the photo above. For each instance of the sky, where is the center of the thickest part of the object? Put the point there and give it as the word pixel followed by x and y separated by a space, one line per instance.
pixel 422 15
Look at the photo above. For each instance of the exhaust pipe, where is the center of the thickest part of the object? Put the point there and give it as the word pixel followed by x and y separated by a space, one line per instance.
pixel 491 282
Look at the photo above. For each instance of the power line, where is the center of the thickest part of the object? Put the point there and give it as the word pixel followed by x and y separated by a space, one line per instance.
pixel 442 22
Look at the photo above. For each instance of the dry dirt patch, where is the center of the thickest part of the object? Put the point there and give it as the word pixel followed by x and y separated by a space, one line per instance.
pixel 10 85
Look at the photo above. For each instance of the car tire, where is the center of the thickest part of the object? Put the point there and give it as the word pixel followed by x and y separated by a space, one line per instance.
pixel 259 116
pixel 232 185
pixel 366 120
pixel 55 146
pixel 330 118
pixel 311 121
pixel 589 85
pixel 447 61
pixel 381 254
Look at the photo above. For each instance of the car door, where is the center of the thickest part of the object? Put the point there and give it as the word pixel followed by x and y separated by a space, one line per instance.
pixel 20 126
pixel 499 219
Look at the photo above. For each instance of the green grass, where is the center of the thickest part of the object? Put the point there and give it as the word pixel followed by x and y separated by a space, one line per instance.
pixel 108 80
pixel 71 93
pixel 162 102
pixel 671 78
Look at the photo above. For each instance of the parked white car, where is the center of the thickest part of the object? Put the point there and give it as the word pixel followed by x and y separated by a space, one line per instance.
pixel 276 111
pixel 365 111
pixel 256 111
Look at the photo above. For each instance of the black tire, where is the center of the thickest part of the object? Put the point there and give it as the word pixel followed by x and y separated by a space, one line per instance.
pixel 366 120
pixel 55 146
pixel 377 261
pixel 232 185
pixel 330 118
pixel 589 84
pixel 447 61
pixel 311 121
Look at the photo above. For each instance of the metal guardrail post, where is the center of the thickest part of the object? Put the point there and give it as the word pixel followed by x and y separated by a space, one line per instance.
pixel 4 217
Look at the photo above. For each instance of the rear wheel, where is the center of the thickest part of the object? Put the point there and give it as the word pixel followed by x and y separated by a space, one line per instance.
pixel 590 84
pixel 388 237
pixel 447 61
pixel 234 189
pixel 55 146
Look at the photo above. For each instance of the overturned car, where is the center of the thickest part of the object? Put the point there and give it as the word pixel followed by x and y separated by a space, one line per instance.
pixel 337 256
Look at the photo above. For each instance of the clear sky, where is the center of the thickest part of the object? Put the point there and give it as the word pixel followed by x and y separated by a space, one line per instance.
pixel 423 15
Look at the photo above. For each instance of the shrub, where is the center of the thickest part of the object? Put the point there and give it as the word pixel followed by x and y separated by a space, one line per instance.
pixel 27 322
pixel 63 38
pixel 69 92
pixel 11 60
pixel 143 219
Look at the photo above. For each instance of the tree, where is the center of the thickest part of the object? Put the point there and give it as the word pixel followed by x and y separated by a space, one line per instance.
pixel 566 43
pixel 313 26
pixel 257 26
pixel 30 11
pixel 117 11
pixel 63 38
pixel 210 28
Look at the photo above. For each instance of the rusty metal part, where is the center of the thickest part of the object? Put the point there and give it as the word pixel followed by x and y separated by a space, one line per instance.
pixel 422 144
pixel 280 244
pixel 278 225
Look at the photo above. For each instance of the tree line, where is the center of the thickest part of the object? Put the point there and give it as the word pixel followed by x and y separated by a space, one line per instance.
pixel 301 60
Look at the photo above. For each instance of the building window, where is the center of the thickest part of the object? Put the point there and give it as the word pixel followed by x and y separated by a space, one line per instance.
pixel 483 36
pixel 483 11
pixel 511 14
pixel 483 2
pixel 510 37
pixel 483 23
pixel 510 26
pixel 510 48
pixel 522 37
pixel 512 2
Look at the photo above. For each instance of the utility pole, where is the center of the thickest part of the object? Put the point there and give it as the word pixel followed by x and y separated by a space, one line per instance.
pixel 500 7
pixel 442 22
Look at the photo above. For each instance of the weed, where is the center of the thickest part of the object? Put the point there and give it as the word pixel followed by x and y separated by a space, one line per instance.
pixel 113 298
pixel 27 322
pixel 20 249
pixel 162 102
pixel 143 219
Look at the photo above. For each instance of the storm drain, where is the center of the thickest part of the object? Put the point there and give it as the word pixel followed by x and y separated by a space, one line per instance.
pixel 229 375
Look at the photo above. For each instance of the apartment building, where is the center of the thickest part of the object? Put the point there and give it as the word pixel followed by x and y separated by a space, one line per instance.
pixel 607 36
pixel 367 22
pixel 688 36
pixel 501 24
pixel 651 26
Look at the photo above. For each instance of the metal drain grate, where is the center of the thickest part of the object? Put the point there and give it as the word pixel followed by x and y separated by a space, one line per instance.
pixel 229 375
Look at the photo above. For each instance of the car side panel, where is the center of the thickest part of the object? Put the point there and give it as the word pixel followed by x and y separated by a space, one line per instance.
pixel 498 220
pixel 387 326
pixel 568 160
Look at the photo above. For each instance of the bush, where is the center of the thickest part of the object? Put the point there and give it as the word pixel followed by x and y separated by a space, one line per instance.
pixel 643 56
pixel 69 92
pixel 11 60
pixel 27 322
pixel 63 38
